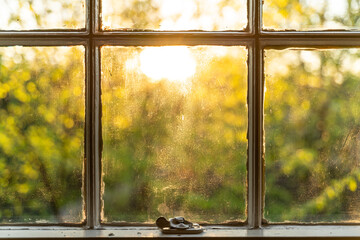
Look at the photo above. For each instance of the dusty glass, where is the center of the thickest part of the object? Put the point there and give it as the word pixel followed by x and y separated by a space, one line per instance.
pixel 41 134
pixel 174 133
pixel 42 14
pixel 173 15
pixel 312 128
pixel 311 15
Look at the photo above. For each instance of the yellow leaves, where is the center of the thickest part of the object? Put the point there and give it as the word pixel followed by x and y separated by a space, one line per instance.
pixel 47 113
pixel 31 132
pixel 284 12
pixel 352 185
pixel 234 120
pixel 43 81
pixel 57 74
pixel 21 95
pixel 65 95
pixel 31 87
pixel 235 100
pixel 119 93
pixel 279 6
pixel 298 7
pixel 10 121
pixel 49 116
pixel 330 193
pixel 287 169
pixel 304 155
pixel 242 136
pixel 77 91
pixel 107 98
pixel 24 76
pixel 29 171
pixel 334 191
pixel 6 143
pixel 41 141
pixel 121 122
pixel 23 188
pixel 229 136
pixel 75 143
pixel 305 105
pixel 68 123
pixel 301 158
pixel 66 120
pixel 291 99
pixel 41 109
pixel 281 3
pixel 4 89
pixel 320 203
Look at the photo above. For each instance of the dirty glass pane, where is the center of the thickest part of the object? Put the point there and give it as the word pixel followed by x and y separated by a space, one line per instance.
pixel 174 133
pixel 211 15
pixel 312 126
pixel 42 14
pixel 311 14
pixel 41 134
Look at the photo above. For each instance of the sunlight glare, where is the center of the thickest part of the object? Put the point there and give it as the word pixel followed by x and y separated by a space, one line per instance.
pixel 174 63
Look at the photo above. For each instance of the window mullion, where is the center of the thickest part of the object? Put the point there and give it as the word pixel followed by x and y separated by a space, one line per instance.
pixel 92 179
pixel 92 161
pixel 95 16
pixel 98 137
pixel 255 150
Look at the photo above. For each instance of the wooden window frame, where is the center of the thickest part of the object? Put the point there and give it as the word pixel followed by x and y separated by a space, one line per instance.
pixel 256 40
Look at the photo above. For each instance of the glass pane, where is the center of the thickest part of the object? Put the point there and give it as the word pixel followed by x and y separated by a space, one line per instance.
pixel 312 124
pixel 174 132
pixel 42 14
pixel 311 15
pixel 211 15
pixel 41 134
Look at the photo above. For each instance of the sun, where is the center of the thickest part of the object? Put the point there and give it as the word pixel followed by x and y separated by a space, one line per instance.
pixel 173 63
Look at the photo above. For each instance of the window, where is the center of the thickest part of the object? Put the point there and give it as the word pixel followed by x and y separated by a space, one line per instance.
pixel 236 114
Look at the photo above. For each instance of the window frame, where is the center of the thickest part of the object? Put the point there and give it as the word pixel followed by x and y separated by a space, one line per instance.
pixel 256 40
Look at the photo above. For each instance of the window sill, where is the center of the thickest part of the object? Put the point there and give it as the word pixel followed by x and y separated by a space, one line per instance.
pixel 288 232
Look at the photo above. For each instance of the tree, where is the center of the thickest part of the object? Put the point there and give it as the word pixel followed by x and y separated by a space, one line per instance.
pixel 41 134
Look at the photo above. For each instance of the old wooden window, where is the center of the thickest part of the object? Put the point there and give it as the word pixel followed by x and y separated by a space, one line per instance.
pixel 236 114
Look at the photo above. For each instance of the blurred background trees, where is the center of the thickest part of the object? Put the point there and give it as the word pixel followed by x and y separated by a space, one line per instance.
pixel 168 149
pixel 311 117
pixel 312 135
pixel 179 148
pixel 42 14
pixel 41 133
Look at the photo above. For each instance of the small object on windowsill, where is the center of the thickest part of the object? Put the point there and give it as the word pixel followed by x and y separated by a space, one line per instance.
pixel 178 225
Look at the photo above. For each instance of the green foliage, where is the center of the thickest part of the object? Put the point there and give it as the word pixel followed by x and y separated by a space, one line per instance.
pixel 312 136
pixel 41 134
pixel 169 151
